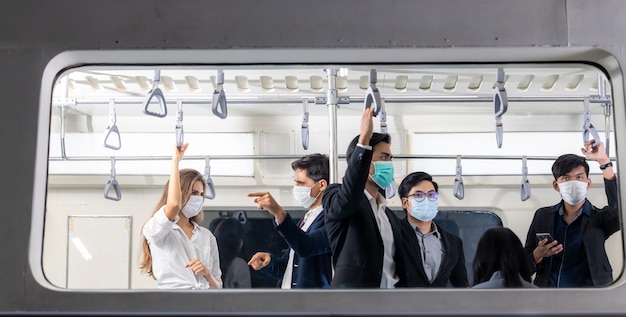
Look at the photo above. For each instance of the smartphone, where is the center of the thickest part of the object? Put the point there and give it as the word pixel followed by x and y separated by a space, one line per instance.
pixel 544 235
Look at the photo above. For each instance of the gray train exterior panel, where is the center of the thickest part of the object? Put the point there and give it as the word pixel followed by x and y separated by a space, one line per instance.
pixel 32 33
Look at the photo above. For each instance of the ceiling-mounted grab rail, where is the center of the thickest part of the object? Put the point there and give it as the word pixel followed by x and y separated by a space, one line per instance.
pixel 525 186
pixel 372 96
pixel 155 92
pixel 458 188
pixel 305 124
pixel 112 130
pixel 500 105
pixel 346 100
pixel 588 128
pixel 210 194
pixel 218 102
pixel 112 184
pixel 383 116
pixel 180 134
pixel 293 157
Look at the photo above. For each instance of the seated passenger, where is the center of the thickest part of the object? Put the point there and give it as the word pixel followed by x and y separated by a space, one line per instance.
pixel 433 257
pixel 307 262
pixel 235 270
pixel 500 261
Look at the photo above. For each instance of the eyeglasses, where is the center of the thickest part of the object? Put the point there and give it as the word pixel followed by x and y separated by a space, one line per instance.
pixel 420 196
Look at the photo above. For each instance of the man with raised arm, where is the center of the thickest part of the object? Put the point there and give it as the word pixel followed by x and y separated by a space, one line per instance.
pixel 574 255
pixel 364 234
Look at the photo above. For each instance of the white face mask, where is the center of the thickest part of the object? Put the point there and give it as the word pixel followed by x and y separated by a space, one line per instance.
pixel 573 192
pixel 193 206
pixel 302 194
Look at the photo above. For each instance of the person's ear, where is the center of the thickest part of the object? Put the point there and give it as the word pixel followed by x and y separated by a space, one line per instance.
pixel 555 185
pixel 405 203
pixel 323 185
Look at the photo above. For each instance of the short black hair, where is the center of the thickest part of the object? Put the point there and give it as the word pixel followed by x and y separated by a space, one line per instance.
pixel 315 165
pixel 376 138
pixel 567 162
pixel 413 179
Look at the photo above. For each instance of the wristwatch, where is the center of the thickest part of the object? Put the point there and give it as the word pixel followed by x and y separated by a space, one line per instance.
pixel 604 166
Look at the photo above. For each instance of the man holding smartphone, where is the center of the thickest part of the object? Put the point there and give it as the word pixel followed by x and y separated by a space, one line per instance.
pixel 572 254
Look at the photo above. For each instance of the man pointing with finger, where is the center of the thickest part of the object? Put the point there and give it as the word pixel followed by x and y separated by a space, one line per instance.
pixel 307 262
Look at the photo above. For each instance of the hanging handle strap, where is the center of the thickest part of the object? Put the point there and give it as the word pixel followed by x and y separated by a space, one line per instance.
pixel 113 184
pixel 210 194
pixel 112 139
pixel 180 134
pixel 372 96
pixel 218 102
pixel 525 187
pixel 156 93
pixel 383 116
pixel 305 124
pixel 588 128
pixel 500 105
pixel 458 188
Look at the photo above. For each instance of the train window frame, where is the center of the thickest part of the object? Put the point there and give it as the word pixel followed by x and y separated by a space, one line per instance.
pixel 64 60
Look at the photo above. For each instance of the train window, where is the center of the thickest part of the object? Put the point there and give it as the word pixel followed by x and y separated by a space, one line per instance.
pixel 496 128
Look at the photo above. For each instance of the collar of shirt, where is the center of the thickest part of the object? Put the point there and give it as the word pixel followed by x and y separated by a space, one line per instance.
pixel 195 225
pixel 434 231
pixel 586 209
pixel 312 215
pixel 380 203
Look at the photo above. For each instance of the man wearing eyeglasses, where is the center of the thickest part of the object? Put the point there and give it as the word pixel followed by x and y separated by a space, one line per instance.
pixel 433 257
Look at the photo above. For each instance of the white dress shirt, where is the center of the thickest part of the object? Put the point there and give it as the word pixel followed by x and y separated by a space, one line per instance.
pixel 389 277
pixel 171 249
pixel 309 217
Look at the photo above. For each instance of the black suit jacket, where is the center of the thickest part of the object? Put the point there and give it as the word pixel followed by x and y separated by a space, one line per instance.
pixel 452 264
pixel 596 228
pixel 354 237
pixel 312 259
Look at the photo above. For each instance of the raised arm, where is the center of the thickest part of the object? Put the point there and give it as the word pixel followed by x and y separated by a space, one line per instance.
pixel 174 204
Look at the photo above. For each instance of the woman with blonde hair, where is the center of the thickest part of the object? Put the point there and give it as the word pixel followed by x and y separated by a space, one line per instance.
pixel 177 252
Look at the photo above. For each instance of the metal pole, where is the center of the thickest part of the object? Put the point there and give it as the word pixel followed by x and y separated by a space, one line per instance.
pixel 607 111
pixel 332 123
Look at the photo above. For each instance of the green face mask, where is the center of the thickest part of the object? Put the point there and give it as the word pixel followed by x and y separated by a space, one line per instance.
pixel 383 173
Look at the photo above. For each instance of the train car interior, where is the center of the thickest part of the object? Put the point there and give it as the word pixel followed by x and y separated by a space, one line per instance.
pixel 488 133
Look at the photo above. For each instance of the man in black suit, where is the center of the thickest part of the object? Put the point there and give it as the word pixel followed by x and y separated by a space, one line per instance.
pixel 433 257
pixel 364 234
pixel 576 256
pixel 307 263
